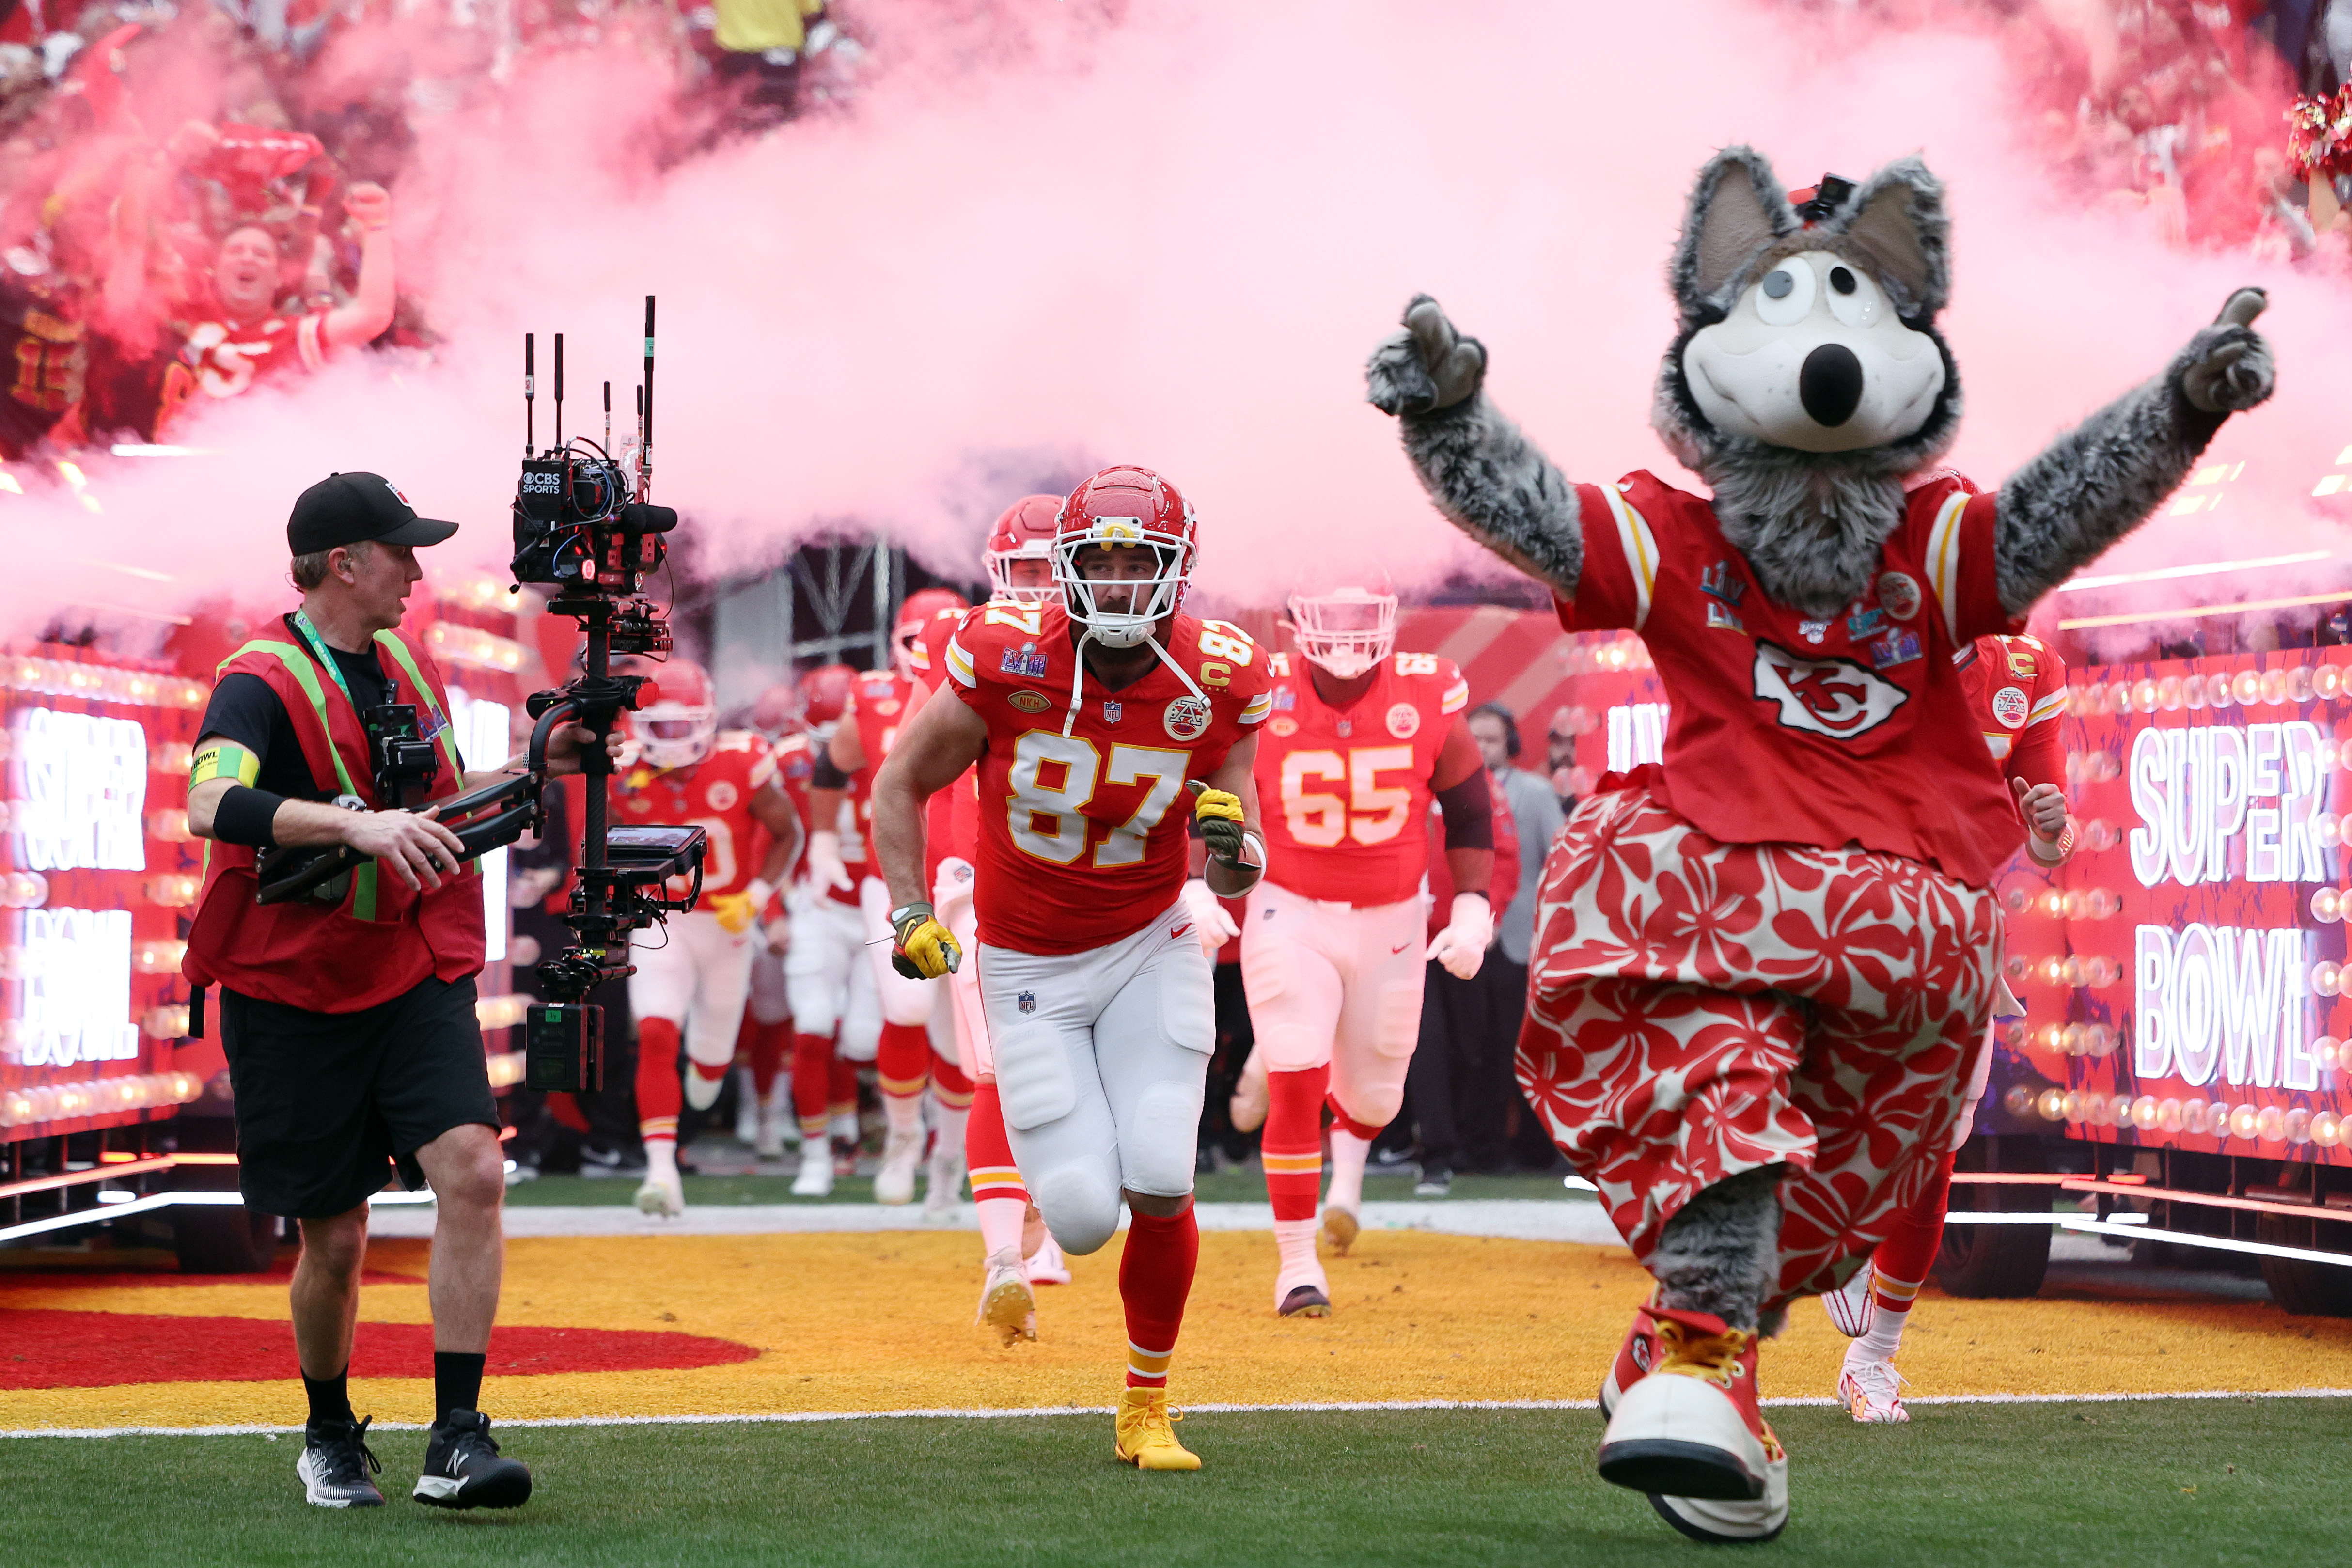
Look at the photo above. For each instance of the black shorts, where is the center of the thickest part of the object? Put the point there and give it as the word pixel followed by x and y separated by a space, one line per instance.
pixel 328 1103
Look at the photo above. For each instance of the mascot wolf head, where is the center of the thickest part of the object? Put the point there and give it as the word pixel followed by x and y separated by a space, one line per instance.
pixel 1811 327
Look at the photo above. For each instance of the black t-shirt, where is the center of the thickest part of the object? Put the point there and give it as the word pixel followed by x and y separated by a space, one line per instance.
pixel 246 709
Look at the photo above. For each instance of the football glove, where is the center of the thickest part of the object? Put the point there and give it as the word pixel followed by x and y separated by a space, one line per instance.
pixel 825 868
pixel 1218 813
pixel 734 911
pixel 926 949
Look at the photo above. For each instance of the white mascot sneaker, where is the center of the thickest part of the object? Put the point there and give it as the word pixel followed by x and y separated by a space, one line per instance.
pixel 663 1195
pixel 815 1179
pixel 1691 1428
pixel 1851 1306
pixel 894 1181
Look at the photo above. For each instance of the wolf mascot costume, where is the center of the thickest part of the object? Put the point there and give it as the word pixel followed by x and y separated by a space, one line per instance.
pixel 1760 971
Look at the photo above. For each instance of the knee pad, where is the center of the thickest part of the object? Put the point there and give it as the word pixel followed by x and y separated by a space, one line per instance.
pixel 1034 1077
pixel 1080 1205
pixel 1371 1104
pixel 1291 1047
pixel 1160 1148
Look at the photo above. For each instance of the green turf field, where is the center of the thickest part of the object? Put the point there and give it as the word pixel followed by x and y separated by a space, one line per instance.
pixel 1240 1184
pixel 2237 1482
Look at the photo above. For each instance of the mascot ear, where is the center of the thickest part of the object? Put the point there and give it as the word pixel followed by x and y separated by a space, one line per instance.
pixel 1897 221
pixel 1736 210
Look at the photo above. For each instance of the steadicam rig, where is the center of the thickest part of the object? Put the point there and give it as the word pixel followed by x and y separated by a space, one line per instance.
pixel 583 525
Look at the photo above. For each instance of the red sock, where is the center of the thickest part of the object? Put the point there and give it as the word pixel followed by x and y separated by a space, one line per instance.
pixel 766 1049
pixel 902 1061
pixel 988 1152
pixel 659 1093
pixel 812 1075
pixel 954 1091
pixel 566 1112
pixel 1292 1145
pixel 1155 1276
pixel 843 1098
pixel 1903 1259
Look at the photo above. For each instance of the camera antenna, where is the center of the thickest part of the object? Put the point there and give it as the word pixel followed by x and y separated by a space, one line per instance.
pixel 559 392
pixel 527 390
pixel 608 416
pixel 645 412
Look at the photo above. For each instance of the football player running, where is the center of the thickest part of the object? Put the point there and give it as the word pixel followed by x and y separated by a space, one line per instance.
pixel 881 703
pixel 765 1043
pixel 1358 741
pixel 828 985
pixel 1090 719
pixel 1018 1253
pixel 694 973
pixel 2016 687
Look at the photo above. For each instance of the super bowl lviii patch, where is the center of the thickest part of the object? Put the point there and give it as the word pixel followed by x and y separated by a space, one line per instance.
pixel 1026 662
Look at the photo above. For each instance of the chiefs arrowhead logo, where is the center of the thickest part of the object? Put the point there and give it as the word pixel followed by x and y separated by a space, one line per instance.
pixel 1833 696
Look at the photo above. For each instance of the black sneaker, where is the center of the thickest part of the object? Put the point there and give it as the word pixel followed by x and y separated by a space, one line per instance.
pixel 462 1467
pixel 335 1465
pixel 1436 1181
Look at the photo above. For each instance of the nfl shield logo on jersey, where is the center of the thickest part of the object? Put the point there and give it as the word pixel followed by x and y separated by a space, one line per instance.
pixel 1026 1000
pixel 1111 711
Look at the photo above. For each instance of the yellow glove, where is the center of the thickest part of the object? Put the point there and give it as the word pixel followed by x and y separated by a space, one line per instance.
pixel 1218 813
pixel 926 949
pixel 734 911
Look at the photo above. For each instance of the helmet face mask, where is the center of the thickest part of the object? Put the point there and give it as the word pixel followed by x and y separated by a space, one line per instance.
pixel 1124 518
pixel 676 729
pixel 1345 630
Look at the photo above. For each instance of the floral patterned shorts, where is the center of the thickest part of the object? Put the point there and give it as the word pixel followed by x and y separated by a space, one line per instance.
pixel 1699 1009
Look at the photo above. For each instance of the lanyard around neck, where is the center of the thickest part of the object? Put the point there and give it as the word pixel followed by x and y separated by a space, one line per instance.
pixel 318 647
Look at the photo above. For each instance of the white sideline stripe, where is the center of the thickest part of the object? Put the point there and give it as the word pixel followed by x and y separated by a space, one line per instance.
pixel 786 1419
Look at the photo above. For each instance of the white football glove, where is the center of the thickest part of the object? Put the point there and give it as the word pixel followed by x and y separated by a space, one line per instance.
pixel 953 886
pixel 1210 921
pixel 1462 945
pixel 825 868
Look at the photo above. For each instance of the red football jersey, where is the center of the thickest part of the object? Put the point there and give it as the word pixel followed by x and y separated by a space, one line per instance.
pixel 1083 837
pixel 714 794
pixel 795 757
pixel 2017 689
pixel 876 706
pixel 1346 791
pixel 1853 730
pixel 951 823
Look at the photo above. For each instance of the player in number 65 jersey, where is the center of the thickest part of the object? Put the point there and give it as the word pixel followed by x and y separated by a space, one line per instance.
pixel 1090 719
pixel 1358 741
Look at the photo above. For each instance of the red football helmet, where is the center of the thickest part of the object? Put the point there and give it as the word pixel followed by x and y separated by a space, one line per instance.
pixel 1121 508
pixel 776 712
pixel 906 638
pixel 823 693
pixel 1025 532
pixel 675 729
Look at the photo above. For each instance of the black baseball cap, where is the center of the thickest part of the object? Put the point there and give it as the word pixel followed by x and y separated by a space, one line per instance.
pixel 343 509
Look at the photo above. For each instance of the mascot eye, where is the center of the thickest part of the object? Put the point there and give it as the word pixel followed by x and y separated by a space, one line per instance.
pixel 1786 294
pixel 1854 300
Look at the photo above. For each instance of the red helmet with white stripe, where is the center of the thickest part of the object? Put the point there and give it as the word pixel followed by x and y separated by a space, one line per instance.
pixel 907 636
pixel 675 729
pixel 824 693
pixel 1120 599
pixel 1023 532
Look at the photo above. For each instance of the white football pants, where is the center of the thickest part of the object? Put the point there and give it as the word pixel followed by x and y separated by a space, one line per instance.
pixel 1100 1059
pixel 1328 983
pixel 904 1001
pixel 827 977
pixel 695 974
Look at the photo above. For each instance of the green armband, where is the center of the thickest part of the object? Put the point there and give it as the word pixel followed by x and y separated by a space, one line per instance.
pixel 223 759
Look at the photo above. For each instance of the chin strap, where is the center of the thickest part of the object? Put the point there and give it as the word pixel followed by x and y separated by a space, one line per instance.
pixel 1078 677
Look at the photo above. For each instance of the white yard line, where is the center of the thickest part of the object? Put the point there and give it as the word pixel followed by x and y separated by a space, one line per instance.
pixel 795 1417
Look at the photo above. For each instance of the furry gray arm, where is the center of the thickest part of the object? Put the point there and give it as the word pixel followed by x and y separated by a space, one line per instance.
pixel 1483 474
pixel 2101 479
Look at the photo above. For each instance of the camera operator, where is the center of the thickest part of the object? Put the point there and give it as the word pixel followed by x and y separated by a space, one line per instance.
pixel 348 1017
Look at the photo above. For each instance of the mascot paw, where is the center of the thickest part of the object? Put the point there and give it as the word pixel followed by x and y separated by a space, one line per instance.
pixel 1426 368
pixel 2227 366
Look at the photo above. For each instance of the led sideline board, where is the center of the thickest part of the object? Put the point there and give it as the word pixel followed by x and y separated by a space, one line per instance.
pixel 2182 973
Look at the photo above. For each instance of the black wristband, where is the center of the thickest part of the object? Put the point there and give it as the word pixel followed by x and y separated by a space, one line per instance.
pixel 823 775
pixel 243 816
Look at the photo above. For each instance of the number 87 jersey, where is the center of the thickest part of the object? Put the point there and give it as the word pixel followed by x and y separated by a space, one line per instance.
pixel 1082 824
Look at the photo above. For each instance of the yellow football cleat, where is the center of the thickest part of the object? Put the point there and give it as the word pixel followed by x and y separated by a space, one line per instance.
pixel 1147 1432
pixel 1339 1229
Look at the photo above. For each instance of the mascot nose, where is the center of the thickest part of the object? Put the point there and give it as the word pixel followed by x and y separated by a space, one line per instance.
pixel 1830 385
